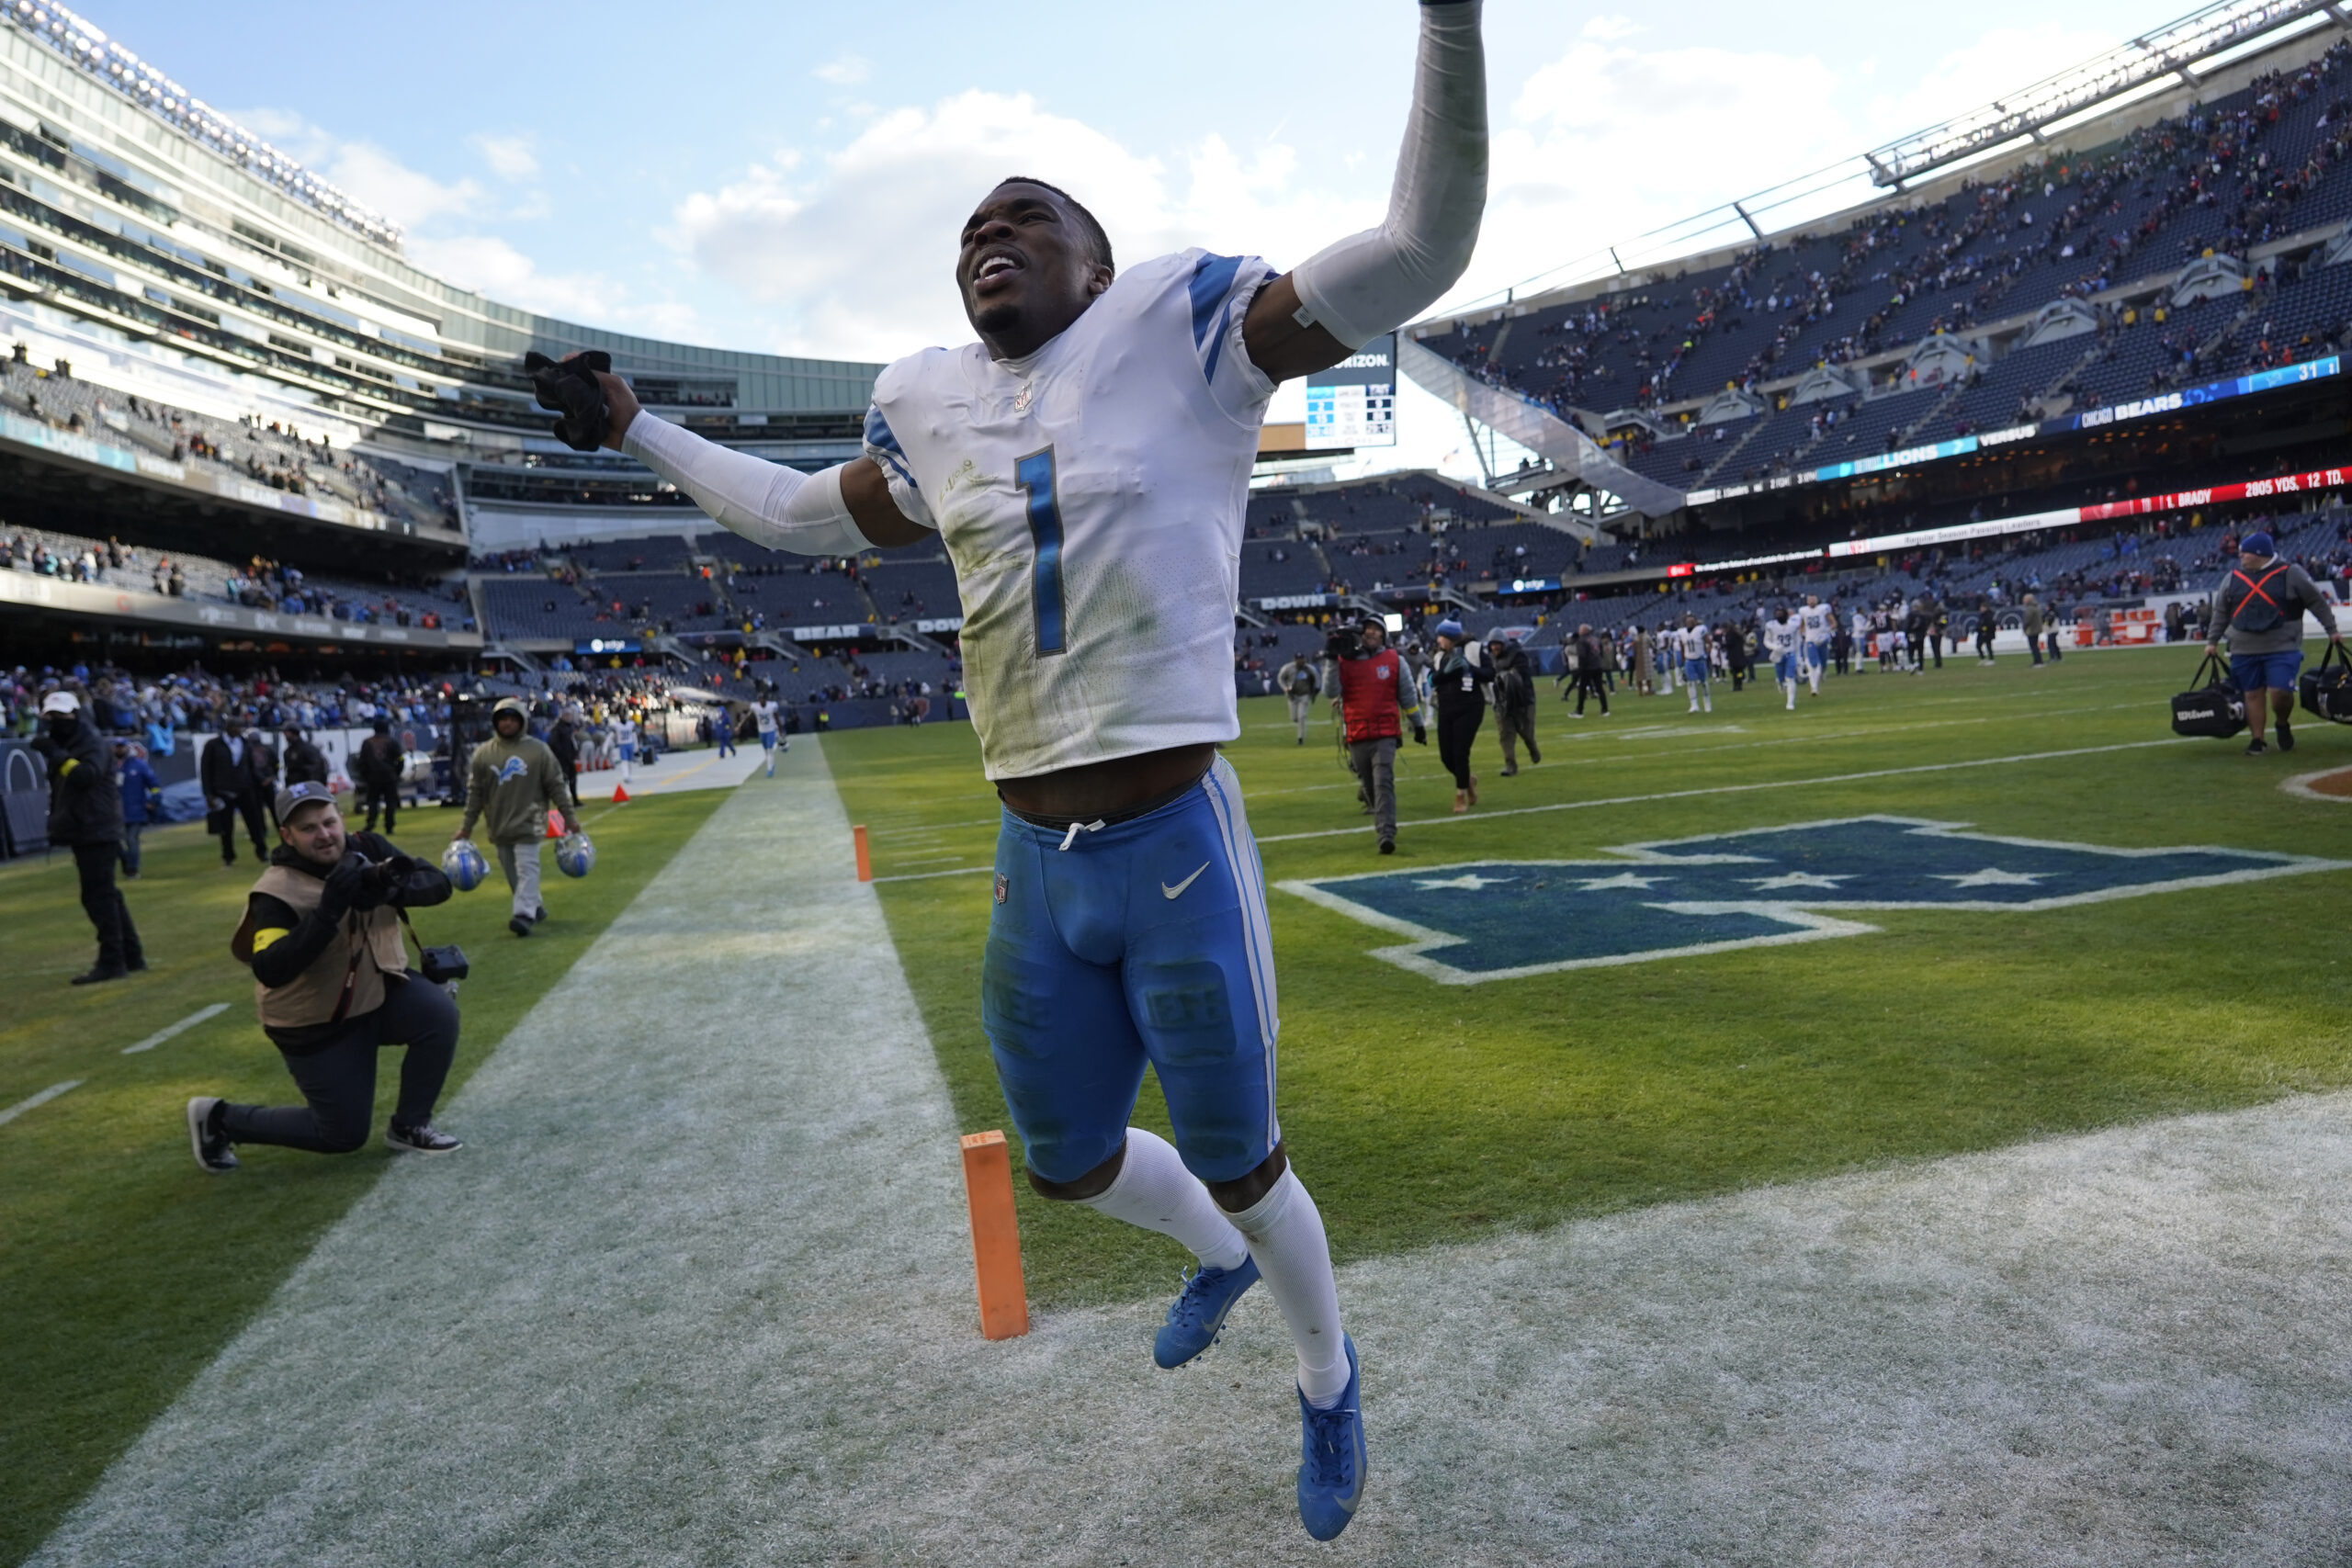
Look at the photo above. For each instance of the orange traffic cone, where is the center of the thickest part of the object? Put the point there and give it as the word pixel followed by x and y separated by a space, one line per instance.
pixel 555 823
pixel 620 795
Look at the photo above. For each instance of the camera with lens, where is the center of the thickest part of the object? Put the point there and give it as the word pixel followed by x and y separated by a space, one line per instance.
pixel 1345 642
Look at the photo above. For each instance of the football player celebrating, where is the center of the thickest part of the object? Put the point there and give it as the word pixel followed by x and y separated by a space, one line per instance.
pixel 1086 464
pixel 1819 623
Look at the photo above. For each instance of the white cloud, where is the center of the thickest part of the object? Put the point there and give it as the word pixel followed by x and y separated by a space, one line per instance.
pixel 1998 65
pixel 492 267
pixel 846 71
pixel 509 157
pixel 855 251
pixel 364 170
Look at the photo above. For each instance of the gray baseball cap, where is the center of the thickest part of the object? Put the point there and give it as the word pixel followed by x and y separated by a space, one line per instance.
pixel 296 794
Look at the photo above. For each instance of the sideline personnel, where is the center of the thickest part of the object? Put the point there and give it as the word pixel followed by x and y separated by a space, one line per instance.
pixel 234 775
pixel 1458 689
pixel 1370 686
pixel 321 934
pixel 1297 681
pixel 514 781
pixel 1511 687
pixel 2258 609
pixel 86 816
pixel 377 769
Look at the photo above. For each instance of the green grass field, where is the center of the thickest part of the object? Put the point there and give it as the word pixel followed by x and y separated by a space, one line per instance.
pixel 1419 1112
pixel 1422 1112
pixel 124 1269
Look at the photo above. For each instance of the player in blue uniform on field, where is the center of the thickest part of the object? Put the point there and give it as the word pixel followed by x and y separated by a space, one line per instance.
pixel 1085 465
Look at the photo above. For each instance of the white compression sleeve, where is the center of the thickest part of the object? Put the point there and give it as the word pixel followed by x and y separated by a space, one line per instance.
pixel 768 503
pixel 1382 278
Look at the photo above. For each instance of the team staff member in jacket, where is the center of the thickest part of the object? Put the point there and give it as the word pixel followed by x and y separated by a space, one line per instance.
pixel 1370 686
pixel 1458 688
pixel 377 769
pixel 1297 681
pixel 85 817
pixel 1590 654
pixel 142 801
pixel 2259 610
pixel 321 934
pixel 1511 688
pixel 234 771
pixel 511 782
pixel 305 763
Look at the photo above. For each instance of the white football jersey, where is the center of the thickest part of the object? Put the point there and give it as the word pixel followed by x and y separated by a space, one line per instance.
pixel 1781 638
pixel 763 715
pixel 1691 642
pixel 1817 621
pixel 1091 499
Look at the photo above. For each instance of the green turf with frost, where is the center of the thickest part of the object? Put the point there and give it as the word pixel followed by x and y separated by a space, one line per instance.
pixel 123 1268
pixel 1420 1113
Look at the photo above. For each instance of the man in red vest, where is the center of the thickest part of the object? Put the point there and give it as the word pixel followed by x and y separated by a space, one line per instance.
pixel 1372 686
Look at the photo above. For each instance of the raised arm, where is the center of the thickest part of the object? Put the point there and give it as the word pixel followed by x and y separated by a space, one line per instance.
pixel 839 511
pixel 1343 296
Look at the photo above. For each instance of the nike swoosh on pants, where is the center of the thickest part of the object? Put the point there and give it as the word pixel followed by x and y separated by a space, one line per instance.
pixel 1176 891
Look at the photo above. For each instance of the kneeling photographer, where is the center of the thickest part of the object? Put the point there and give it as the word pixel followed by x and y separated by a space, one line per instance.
pixel 322 935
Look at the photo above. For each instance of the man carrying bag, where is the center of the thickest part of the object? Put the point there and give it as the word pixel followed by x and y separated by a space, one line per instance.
pixel 323 936
pixel 2259 610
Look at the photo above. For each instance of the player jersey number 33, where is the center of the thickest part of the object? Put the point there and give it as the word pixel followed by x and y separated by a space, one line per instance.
pixel 1091 497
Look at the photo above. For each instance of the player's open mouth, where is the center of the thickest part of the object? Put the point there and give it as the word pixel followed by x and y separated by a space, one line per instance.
pixel 991 267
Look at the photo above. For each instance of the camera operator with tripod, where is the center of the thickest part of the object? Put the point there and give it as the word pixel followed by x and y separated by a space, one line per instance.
pixel 321 933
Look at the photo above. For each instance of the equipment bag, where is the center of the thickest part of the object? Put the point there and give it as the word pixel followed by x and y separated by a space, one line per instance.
pixel 2327 689
pixel 2214 709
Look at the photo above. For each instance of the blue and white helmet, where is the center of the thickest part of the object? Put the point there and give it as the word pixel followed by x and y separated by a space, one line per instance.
pixel 463 865
pixel 574 855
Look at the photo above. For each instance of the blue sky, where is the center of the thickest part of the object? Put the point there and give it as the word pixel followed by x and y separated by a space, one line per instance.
pixel 790 178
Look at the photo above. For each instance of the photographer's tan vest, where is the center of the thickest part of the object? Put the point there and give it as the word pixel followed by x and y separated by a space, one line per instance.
pixel 312 996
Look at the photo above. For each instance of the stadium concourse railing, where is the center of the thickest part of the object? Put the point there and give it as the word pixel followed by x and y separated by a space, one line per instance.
pixel 34 591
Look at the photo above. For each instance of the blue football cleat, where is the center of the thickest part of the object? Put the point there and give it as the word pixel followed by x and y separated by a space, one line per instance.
pixel 1331 1467
pixel 1197 1314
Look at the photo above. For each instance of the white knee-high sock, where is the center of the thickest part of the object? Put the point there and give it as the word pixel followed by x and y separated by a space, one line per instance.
pixel 1285 1236
pixel 1155 1191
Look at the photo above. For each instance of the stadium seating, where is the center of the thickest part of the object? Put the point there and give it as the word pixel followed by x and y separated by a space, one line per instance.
pixel 2266 160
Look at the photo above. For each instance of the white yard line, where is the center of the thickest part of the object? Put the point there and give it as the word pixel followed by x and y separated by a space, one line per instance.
pixel 38 1101
pixel 190 1021
pixel 1728 789
pixel 698 1290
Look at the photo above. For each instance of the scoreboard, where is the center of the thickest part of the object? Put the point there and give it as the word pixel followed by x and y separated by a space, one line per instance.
pixel 1354 402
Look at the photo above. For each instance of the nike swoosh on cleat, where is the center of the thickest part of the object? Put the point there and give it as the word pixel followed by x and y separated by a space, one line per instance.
pixel 1176 891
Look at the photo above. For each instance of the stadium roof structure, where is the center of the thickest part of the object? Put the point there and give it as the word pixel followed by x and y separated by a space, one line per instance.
pixel 2160 56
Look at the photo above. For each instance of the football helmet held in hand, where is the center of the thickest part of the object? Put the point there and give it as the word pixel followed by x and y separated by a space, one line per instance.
pixel 575 856
pixel 463 865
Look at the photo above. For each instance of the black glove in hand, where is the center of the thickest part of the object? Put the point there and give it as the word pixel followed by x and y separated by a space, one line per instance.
pixel 569 387
pixel 1421 735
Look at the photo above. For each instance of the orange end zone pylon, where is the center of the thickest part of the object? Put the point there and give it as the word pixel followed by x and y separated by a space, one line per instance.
pixel 864 855
pixel 996 1236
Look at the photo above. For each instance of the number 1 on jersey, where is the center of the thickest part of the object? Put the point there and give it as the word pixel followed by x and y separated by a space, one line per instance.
pixel 1034 474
